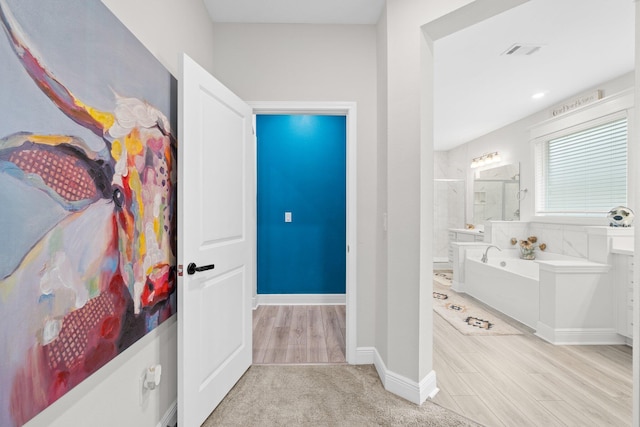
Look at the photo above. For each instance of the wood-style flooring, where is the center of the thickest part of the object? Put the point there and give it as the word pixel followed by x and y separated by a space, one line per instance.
pixel 299 334
pixel 521 380
pixel 508 380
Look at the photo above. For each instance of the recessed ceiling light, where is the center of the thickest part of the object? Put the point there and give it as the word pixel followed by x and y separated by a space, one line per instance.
pixel 538 95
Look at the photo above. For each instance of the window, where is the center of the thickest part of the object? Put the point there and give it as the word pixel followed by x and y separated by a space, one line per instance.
pixel 584 172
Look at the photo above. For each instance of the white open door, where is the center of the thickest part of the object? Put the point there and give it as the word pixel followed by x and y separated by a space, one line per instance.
pixel 216 228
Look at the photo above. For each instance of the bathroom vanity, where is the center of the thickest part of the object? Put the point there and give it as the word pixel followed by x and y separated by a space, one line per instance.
pixel 463 235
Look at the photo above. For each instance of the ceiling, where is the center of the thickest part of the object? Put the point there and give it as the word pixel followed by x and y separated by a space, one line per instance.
pixel 295 11
pixel 477 90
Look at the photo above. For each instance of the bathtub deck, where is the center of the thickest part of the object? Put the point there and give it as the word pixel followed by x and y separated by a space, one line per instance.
pixel 521 380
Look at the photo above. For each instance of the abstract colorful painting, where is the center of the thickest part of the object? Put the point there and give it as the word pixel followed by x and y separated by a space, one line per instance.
pixel 87 197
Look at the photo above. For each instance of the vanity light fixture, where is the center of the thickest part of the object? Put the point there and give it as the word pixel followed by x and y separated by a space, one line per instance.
pixel 485 159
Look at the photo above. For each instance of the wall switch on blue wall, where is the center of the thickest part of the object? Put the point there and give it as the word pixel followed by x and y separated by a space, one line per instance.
pixel 301 168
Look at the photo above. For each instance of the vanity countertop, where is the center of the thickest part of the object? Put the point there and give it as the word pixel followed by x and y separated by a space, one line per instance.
pixel 622 246
pixel 622 251
pixel 473 231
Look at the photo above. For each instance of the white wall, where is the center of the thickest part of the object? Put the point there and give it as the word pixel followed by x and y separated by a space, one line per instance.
pixel 381 315
pixel 409 80
pixel 408 77
pixel 288 62
pixel 512 141
pixel 168 29
pixel 110 396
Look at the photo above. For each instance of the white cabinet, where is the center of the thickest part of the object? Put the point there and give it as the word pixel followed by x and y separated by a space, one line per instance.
pixel 463 235
pixel 623 274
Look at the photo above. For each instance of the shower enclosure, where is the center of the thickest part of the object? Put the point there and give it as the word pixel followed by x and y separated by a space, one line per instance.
pixel 449 212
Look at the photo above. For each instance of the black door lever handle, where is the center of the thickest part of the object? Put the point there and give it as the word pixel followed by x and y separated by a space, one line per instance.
pixel 192 268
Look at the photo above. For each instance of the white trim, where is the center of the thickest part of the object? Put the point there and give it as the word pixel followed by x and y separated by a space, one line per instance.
pixel 575 336
pixel 573 267
pixel 397 384
pixel 365 355
pixel 302 107
pixel 612 104
pixel 350 111
pixel 428 387
pixel 458 287
pixel 300 299
pixel 170 418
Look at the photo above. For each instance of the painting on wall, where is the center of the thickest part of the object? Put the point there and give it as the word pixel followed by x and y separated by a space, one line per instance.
pixel 87 197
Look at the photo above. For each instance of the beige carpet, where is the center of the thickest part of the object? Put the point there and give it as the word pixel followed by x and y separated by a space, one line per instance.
pixel 464 313
pixel 322 395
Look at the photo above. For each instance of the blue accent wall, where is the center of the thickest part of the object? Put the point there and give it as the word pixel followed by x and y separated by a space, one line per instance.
pixel 301 169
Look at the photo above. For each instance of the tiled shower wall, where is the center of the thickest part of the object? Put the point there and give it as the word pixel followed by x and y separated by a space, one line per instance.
pixel 449 197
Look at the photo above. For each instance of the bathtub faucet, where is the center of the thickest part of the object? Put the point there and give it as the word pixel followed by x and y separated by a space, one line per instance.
pixel 484 256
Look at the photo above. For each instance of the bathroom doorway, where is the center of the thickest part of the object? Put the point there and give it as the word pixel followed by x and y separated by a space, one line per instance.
pixel 479 374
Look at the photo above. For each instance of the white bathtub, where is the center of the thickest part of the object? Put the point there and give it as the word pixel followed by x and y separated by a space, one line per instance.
pixel 517 266
pixel 506 283
pixel 542 294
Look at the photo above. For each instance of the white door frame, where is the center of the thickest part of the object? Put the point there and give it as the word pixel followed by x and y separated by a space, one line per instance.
pixel 347 109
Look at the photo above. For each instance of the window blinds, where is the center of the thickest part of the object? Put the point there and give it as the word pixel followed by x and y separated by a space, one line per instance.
pixel 583 173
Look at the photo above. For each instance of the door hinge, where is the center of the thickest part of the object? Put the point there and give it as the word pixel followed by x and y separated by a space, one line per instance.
pixel 180 270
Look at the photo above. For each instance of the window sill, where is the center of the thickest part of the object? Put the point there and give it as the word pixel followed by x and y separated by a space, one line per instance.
pixel 571 220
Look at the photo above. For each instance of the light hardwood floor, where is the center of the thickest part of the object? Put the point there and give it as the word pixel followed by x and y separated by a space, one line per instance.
pixel 509 380
pixel 299 334
pixel 521 380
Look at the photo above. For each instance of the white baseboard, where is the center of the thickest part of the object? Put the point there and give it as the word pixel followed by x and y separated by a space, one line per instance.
pixel 300 299
pixel 365 355
pixel 170 418
pixel 397 384
pixel 458 286
pixel 579 336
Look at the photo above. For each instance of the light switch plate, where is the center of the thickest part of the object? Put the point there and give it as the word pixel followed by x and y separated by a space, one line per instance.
pixel 287 217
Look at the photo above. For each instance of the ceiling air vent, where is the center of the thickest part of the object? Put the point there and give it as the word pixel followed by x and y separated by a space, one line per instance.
pixel 520 49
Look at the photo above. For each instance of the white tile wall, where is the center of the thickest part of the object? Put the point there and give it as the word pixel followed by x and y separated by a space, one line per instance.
pixel 448 213
pixel 550 234
pixel 575 241
pixel 571 240
pixel 502 231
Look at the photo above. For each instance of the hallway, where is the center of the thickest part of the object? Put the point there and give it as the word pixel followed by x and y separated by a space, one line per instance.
pixel 299 334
